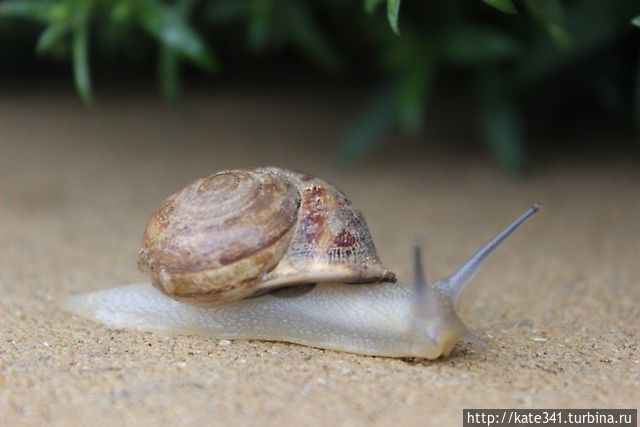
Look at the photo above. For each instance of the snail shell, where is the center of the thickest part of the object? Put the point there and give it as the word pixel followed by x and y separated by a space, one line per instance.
pixel 243 232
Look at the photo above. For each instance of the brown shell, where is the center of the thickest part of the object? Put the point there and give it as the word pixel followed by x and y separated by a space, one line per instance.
pixel 242 232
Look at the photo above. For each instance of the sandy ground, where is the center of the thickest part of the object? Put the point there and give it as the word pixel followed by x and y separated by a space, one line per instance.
pixel 559 304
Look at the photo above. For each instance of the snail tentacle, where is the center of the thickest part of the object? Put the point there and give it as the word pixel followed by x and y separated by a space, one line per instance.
pixel 456 282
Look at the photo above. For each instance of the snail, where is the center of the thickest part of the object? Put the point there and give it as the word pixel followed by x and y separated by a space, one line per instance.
pixel 279 255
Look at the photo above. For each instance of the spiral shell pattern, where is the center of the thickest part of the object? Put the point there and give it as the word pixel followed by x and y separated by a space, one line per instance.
pixel 240 232
pixel 220 232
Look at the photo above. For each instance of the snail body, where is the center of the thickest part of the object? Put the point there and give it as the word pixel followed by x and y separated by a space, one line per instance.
pixel 276 299
pixel 365 319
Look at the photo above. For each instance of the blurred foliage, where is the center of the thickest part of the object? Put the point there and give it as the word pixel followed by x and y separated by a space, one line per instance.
pixel 511 50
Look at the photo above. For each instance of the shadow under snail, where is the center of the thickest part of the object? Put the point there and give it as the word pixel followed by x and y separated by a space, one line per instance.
pixel 273 254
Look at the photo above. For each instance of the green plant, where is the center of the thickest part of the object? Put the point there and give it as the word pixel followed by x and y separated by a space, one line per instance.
pixel 68 22
pixel 512 59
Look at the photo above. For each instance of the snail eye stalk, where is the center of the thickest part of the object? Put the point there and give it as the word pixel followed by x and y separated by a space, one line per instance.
pixel 454 284
pixel 423 293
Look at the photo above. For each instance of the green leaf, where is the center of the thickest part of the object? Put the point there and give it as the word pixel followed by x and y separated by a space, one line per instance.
pixel 81 57
pixel 307 36
pixel 595 26
pixel 39 10
pixel 412 94
pixel 636 115
pixel 560 35
pixel 170 28
pixel 393 10
pixel 500 122
pixel 470 44
pixel 636 21
pixel 373 123
pixel 371 5
pixel 169 72
pixel 51 35
pixel 551 15
pixel 169 60
pixel 121 11
pixel 502 130
pixel 505 6
pixel 259 22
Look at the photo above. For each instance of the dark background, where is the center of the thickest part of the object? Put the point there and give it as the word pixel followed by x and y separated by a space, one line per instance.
pixel 521 83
